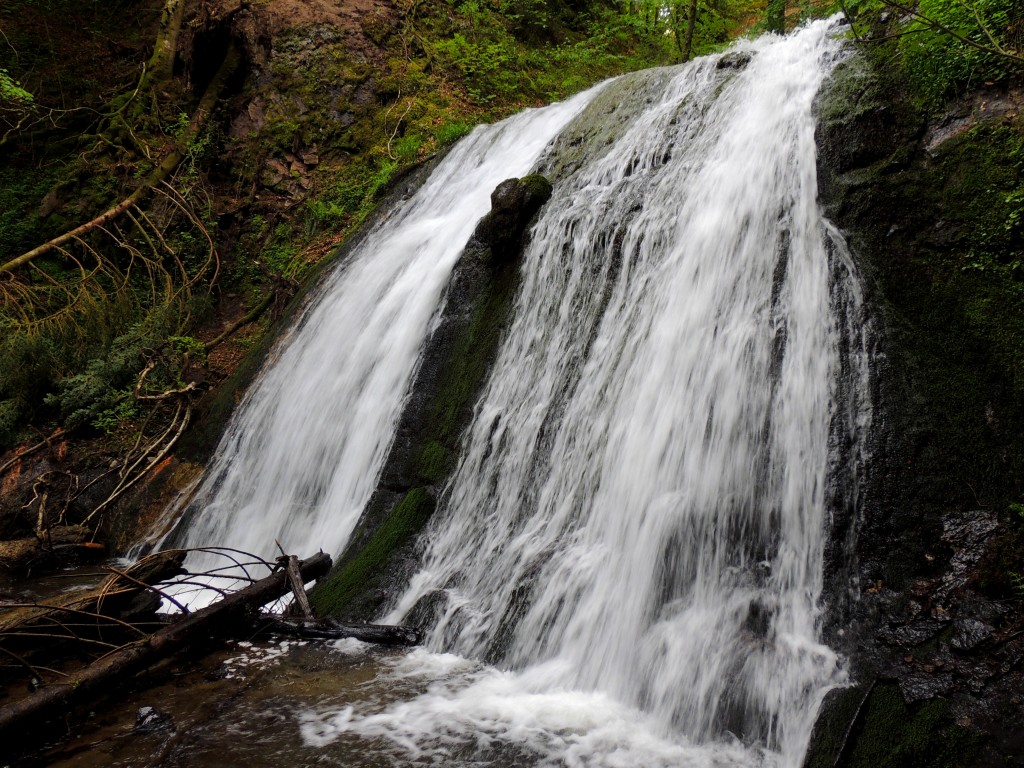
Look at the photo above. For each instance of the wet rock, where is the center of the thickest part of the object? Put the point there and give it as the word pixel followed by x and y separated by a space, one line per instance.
pixel 923 685
pixel 513 204
pixel 909 635
pixel 968 634
pixel 151 719
pixel 737 60
pixel 968 535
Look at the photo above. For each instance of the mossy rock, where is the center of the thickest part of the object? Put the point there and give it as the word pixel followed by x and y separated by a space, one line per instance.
pixel 872 727
pixel 357 585
pixel 454 368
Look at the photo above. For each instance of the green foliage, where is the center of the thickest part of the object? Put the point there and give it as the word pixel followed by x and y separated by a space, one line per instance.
pixel 125 409
pixel 20 225
pixel 12 92
pixel 354 193
pixel 188 348
pixel 27 371
pixel 91 396
pixel 997 244
pixel 407 148
pixel 935 55
pixel 939 65
pixel 449 133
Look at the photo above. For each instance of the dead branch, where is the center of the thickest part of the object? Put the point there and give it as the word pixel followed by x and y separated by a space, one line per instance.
pixel 129 479
pixel 156 176
pixel 249 317
pixel 22 454
pixel 298 588
pixel 328 629
pixel 216 620
pixel 107 599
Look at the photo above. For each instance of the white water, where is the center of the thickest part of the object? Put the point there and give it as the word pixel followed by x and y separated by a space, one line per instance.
pixel 301 457
pixel 634 536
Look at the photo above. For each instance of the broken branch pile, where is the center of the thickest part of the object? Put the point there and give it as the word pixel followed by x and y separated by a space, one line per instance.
pixel 122 610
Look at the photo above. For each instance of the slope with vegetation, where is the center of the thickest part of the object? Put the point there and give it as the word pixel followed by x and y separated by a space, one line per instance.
pixel 172 170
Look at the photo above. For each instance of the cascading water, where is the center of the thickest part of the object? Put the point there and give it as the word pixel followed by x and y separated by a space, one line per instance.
pixel 634 535
pixel 301 458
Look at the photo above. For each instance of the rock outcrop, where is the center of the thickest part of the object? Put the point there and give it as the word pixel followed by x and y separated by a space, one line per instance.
pixel 381 553
pixel 923 604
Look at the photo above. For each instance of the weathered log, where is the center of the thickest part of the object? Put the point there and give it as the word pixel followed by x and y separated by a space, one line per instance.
pixel 216 620
pixel 111 598
pixel 22 556
pixel 381 634
pixel 298 588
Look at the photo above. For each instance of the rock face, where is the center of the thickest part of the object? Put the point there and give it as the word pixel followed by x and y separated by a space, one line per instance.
pixel 922 602
pixel 513 204
pixel 381 554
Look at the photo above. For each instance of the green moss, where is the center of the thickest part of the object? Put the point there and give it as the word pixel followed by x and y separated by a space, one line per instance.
pixel 469 360
pixel 357 576
pixel 838 712
pixel 538 185
pixel 432 462
pixel 889 734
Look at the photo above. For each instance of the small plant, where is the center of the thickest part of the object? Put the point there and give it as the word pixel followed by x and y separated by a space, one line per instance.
pixel 126 409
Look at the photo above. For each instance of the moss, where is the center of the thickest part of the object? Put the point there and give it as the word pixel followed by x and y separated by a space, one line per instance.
pixel 838 712
pixel 889 734
pixel 470 359
pixel 432 462
pixel 538 186
pixel 359 576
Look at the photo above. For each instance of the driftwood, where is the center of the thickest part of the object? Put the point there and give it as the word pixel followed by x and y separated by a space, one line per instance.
pixel 381 634
pixel 217 620
pixel 298 588
pixel 117 597
pixel 25 555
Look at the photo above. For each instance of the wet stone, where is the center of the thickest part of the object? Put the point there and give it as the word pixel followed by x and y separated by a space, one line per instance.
pixel 912 634
pixel 968 634
pixel 736 60
pixel 920 686
pixel 150 719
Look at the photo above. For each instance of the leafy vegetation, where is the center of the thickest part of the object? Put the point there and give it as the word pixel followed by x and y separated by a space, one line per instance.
pixel 947 46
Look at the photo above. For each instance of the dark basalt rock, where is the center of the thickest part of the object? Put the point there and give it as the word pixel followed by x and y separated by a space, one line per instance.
pixel 381 555
pixel 968 634
pixel 933 633
pixel 736 60
pixel 513 204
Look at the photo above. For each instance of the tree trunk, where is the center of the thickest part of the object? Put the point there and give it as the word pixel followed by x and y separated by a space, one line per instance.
pixel 161 63
pixel 690 25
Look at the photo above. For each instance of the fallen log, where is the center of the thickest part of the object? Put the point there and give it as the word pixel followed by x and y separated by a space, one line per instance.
pixel 381 634
pixel 116 597
pixel 59 544
pixel 216 620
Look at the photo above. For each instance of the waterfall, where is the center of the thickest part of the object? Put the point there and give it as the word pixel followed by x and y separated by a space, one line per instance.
pixel 626 568
pixel 301 457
